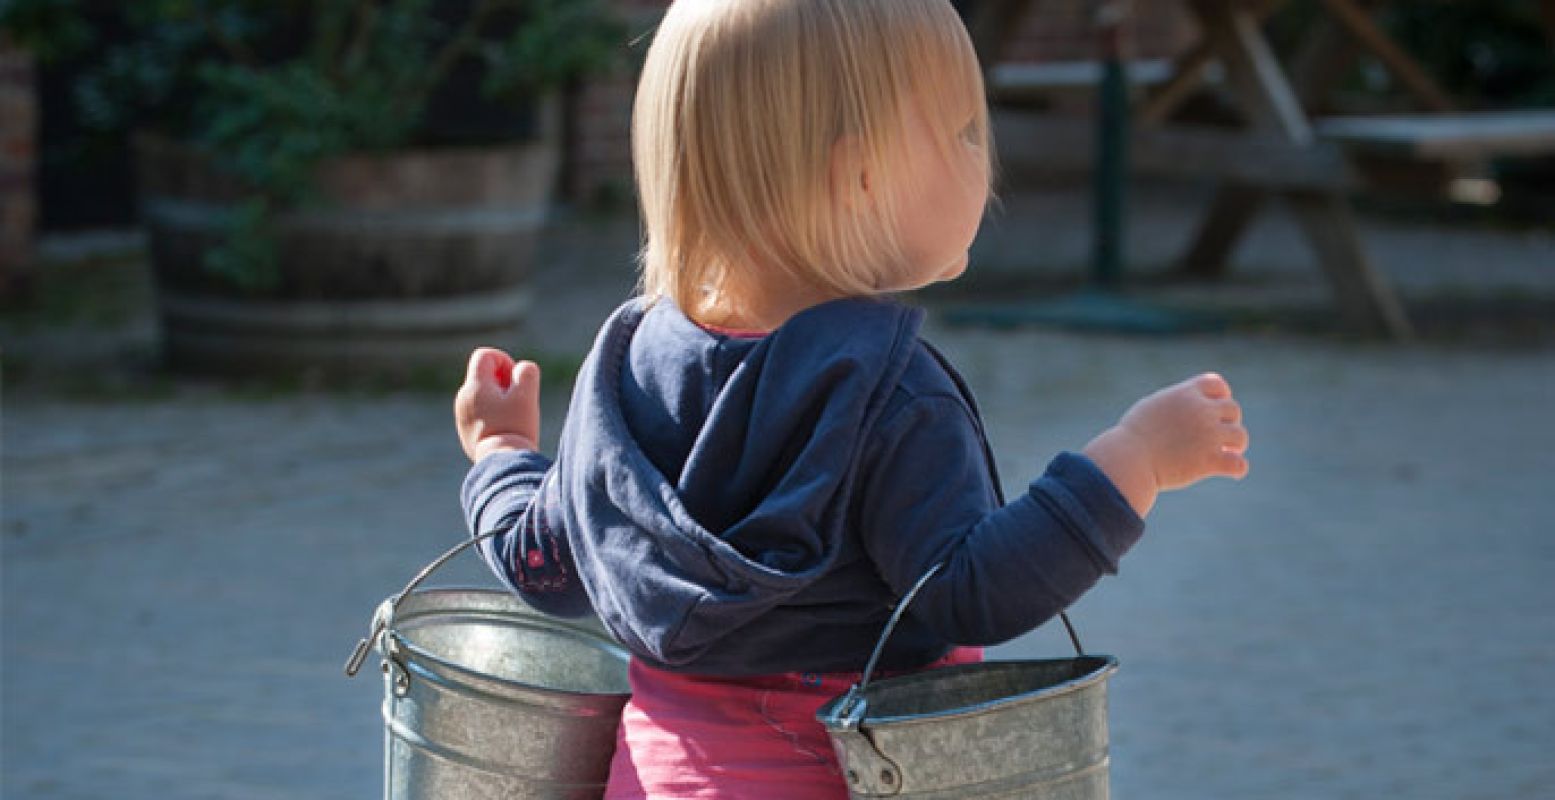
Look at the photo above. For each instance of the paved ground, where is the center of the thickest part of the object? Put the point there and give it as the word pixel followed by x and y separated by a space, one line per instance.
pixel 1369 614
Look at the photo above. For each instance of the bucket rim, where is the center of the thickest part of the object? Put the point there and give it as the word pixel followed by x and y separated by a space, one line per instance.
pixel 476 678
pixel 1105 666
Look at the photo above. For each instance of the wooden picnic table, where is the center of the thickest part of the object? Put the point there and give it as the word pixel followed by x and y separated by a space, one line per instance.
pixel 1281 150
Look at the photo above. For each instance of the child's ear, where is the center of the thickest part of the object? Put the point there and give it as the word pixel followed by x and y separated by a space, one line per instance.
pixel 851 183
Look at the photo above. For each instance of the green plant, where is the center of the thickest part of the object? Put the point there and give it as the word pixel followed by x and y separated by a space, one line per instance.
pixel 269 88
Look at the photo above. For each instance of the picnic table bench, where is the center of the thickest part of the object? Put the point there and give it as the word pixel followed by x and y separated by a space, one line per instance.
pixel 1313 164
pixel 1446 136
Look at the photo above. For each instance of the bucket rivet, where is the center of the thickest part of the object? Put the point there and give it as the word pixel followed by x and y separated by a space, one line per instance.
pixel 887 777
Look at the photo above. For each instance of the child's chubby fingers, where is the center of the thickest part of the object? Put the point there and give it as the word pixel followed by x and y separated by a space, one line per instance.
pixel 1229 411
pixel 498 406
pixel 489 367
pixel 526 380
pixel 1230 464
pixel 1230 457
pixel 1234 438
pixel 1213 386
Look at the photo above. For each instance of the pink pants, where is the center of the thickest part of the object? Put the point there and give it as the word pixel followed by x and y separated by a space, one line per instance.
pixel 691 737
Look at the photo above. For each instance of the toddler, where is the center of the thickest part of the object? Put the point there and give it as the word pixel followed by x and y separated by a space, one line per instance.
pixel 761 455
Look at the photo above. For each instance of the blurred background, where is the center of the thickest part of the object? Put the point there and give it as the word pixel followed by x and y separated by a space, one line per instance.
pixel 245 247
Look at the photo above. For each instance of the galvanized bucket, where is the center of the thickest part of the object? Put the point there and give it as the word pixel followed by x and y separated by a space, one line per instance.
pixel 487 698
pixel 1012 729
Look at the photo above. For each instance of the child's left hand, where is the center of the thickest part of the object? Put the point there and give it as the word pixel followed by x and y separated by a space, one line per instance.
pixel 498 407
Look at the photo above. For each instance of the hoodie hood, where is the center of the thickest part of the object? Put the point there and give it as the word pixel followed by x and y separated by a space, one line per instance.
pixel 705 479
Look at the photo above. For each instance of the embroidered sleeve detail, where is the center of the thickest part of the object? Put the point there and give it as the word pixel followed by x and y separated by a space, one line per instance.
pixel 538 562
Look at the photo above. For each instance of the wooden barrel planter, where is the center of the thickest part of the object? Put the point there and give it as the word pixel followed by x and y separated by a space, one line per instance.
pixel 407 262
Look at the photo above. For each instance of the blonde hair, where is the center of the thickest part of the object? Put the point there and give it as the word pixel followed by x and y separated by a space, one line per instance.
pixel 740 111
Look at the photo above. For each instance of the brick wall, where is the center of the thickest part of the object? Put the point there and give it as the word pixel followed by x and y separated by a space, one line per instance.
pixel 601 158
pixel 1056 30
pixel 18 147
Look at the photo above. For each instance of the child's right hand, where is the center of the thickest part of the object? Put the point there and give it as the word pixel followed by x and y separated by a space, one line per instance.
pixel 1174 438
pixel 498 407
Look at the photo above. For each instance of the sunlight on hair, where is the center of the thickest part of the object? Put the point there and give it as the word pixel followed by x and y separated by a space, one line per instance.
pixel 743 108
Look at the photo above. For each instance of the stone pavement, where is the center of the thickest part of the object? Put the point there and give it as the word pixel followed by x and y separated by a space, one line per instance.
pixel 1370 614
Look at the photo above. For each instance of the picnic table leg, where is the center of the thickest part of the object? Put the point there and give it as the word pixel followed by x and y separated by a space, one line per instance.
pixel 1230 214
pixel 1235 205
pixel 1324 57
pixel 1360 25
pixel 1266 102
pixel 1270 104
pixel 1367 303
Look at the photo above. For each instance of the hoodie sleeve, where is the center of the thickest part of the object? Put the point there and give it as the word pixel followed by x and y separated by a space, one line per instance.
pixel 929 496
pixel 510 492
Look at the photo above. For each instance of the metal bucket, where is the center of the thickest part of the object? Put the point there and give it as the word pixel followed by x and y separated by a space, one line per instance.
pixel 487 698
pixel 1012 729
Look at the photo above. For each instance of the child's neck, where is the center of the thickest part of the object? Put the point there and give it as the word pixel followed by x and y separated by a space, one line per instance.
pixel 757 310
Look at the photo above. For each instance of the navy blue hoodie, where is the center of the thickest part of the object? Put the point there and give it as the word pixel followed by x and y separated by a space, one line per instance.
pixel 736 506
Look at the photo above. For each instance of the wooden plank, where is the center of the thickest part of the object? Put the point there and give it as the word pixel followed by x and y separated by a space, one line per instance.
pixel 1455 136
pixel 1254 72
pixel 1191 70
pixel 1072 75
pixel 1188 73
pixel 1230 214
pixel 1367 302
pixel 1064 145
pixel 1271 106
pixel 1320 63
pixel 1408 71
pixel 1238 200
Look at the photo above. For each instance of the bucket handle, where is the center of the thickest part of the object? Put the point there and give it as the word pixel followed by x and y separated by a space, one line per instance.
pixel 845 709
pixel 385 613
